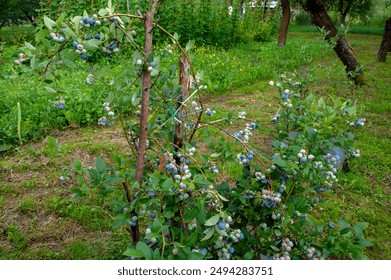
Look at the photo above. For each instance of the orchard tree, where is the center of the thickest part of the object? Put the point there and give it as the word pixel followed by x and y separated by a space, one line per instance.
pixel 353 8
pixel 319 16
pixel 286 15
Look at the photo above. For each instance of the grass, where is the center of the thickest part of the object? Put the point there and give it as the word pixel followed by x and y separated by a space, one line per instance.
pixel 40 221
pixel 352 29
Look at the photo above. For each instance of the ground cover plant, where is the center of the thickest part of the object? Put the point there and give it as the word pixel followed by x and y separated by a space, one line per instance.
pixel 199 201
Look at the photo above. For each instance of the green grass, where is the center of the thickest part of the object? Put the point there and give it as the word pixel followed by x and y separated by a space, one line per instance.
pixel 42 221
pixel 353 29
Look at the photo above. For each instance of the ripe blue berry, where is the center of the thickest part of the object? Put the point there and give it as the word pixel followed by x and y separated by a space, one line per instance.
pixel 221 225
pixel 331 225
pixel 203 251
pixel 152 215
pixel 84 56
pixel 231 250
pixel 151 193
pixel 75 44
pixel 97 36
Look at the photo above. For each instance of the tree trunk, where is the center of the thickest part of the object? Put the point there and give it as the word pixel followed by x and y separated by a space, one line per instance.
pixel 321 19
pixel 343 13
pixel 286 16
pixel 184 82
pixel 385 45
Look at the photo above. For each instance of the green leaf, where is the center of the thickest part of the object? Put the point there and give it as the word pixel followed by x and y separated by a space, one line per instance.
pixel 274 248
pixel 362 225
pixel 209 233
pixel 364 243
pixel 5 147
pixel 280 162
pixel 213 220
pixel 189 45
pixel 145 250
pixel 248 256
pixel 68 62
pixel 100 165
pixel 48 22
pixel 222 197
pixel 215 155
pixel 221 232
pixel 92 44
pixel 69 33
pixel 133 253
pixel 29 46
pixel 277 232
pixel 41 34
pixel 321 103
pixel 103 12
pixel 156 254
pixel 50 90
pixel 176 37
pixel 343 225
pixel 168 214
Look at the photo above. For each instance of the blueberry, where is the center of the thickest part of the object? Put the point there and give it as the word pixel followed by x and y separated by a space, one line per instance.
pixel 91 21
pixel 133 224
pixel 75 44
pixel 241 236
pixel 203 188
pixel 231 250
pixel 203 251
pixel 284 96
pixel 86 20
pixel 303 159
pixel 151 193
pixel 84 56
pixel 61 106
pixel 152 215
pixel 331 225
pixel 152 64
pixel 173 189
pixel 221 226
pixel 112 45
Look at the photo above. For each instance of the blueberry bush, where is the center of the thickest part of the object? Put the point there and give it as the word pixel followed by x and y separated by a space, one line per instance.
pixel 172 192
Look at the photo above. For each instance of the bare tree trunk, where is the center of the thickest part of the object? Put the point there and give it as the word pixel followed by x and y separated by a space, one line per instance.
pixel 321 19
pixel 385 45
pixel 286 16
pixel 184 82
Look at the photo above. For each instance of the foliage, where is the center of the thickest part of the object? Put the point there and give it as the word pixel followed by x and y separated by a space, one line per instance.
pixel 15 11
